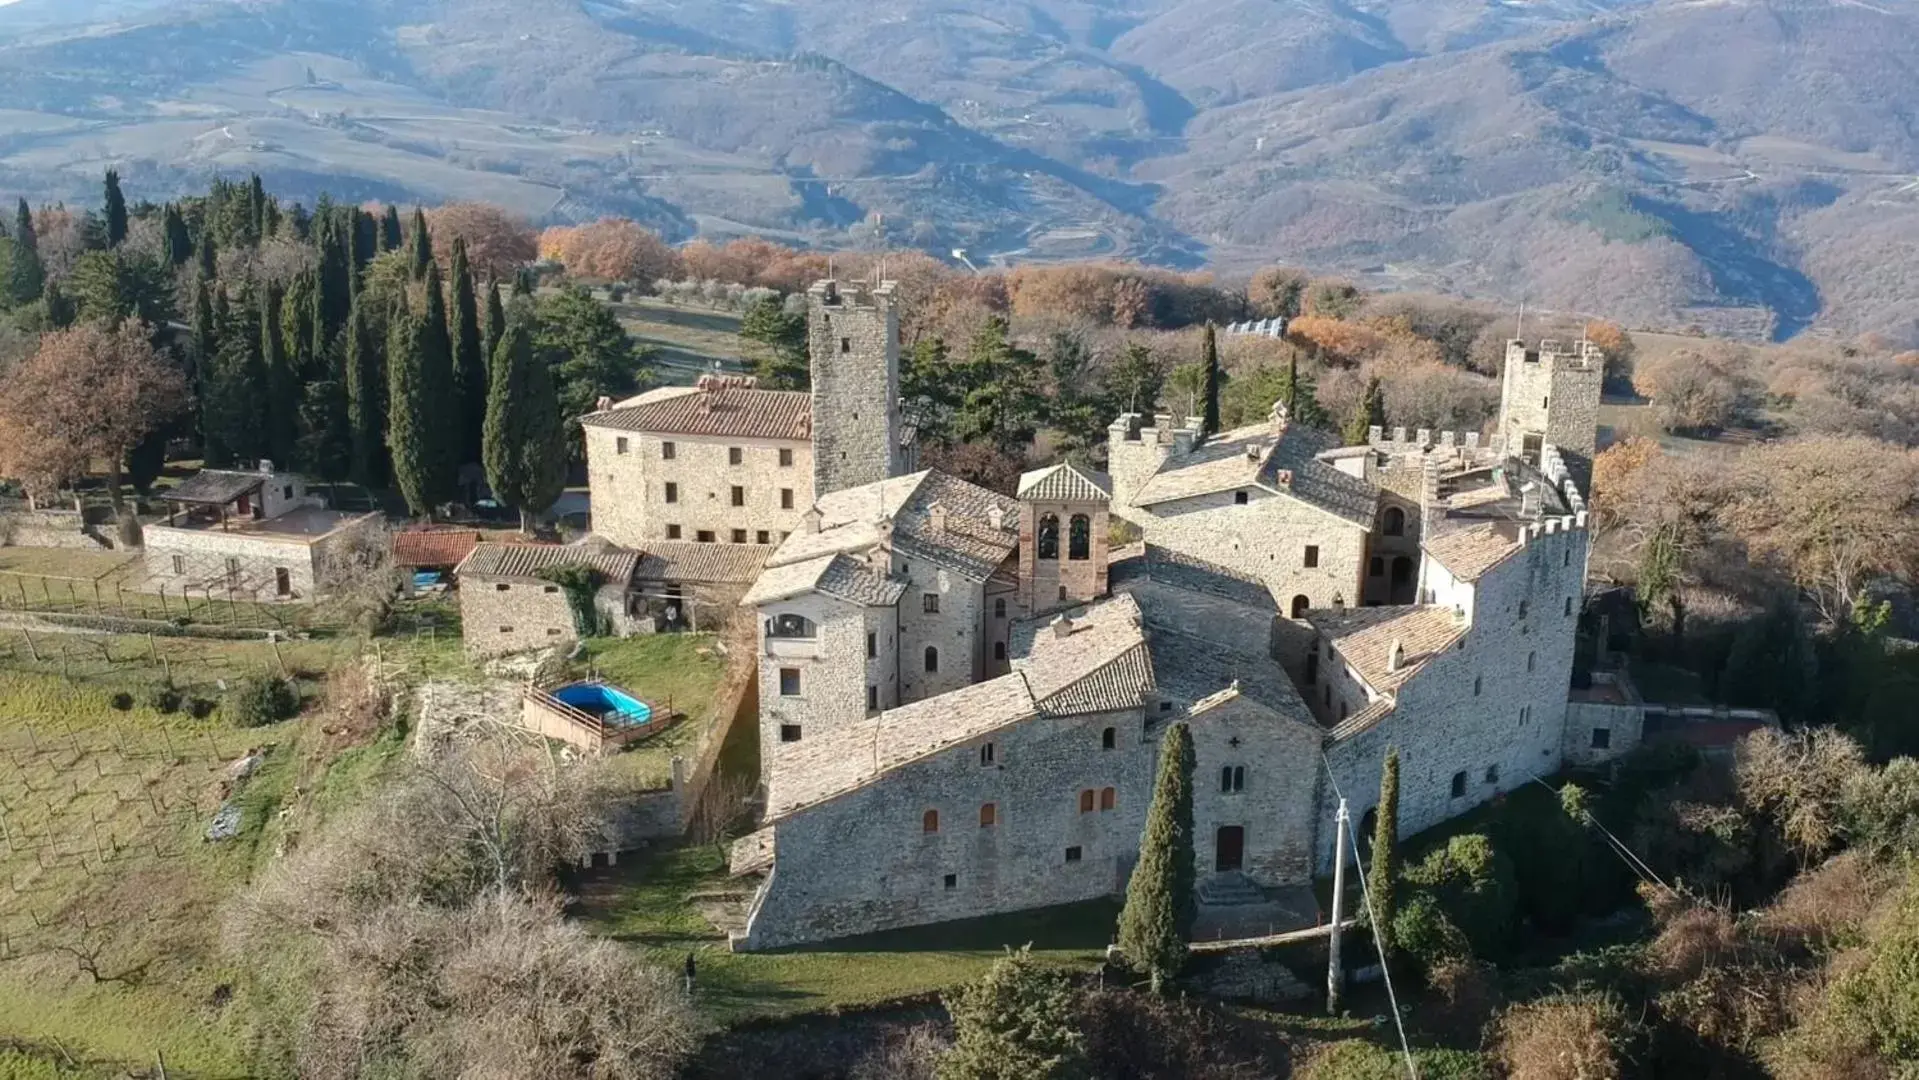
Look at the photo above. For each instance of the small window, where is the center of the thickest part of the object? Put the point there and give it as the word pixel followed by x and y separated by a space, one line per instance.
pixel 739 536
pixel 1239 497
pixel 930 821
pixel 1532 660
pixel 1376 567
pixel 1086 801
pixel 619 445
pixel 1108 739
pixel 988 815
pixel 506 629
pixel 930 603
pixel 1062 592
pixel 734 455
pixel 179 564
pixel 872 699
pixel 1492 774
pixel 999 650
pixel 932 659
pixel 672 532
pixel 666 451
pixel 1459 785
pixel 1569 605
pixel 1232 779
pixel 1395 521
pixel 986 754
pixel 1079 538
pixel 1046 536
pixel 786 498
pixel 999 608
pixel 952 882
pixel 1312 556
pixel 786 458
pixel 704 536
pixel 1476 685
pixel 1312 667
pixel 789 733
pixel 1165 706
pixel 287 492
pixel 672 492
pixel 846 344
pixel 501 587
pixel 739 495
pixel 762 538
pixel 1072 853
pixel 552 631
pixel 1602 738
pixel 1546 402
pixel 549 588
pixel 872 645
pixel 1301 605
pixel 1522 609
pixel 789 682
pixel 1108 798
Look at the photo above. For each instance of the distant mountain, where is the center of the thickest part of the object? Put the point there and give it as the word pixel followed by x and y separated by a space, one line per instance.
pixel 1747 165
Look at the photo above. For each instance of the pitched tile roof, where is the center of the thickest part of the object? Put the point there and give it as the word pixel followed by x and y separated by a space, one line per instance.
pixel 1065 483
pixel 492 560
pixel 684 560
pixel 833 574
pixel 1364 639
pixel 215 487
pixel 433 547
pixel 1282 459
pixel 751 853
pixel 1468 553
pixel 722 410
pixel 1116 686
pixel 965 541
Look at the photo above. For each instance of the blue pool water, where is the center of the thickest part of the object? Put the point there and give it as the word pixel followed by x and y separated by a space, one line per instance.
pixel 610 704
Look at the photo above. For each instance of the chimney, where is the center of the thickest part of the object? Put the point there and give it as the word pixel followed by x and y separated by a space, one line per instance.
pixel 1396 659
pixel 602 403
pixel 266 467
pixel 1063 627
pixel 936 517
pixel 1339 601
pixel 1529 500
pixel 810 521
pixel 996 517
pixel 1252 451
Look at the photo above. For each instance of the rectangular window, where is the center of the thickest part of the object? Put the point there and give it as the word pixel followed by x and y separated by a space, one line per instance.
pixel 1108 798
pixel 952 882
pixel 1072 853
pixel 1239 497
pixel 789 733
pixel 552 631
pixel 1459 784
pixel 672 492
pixel 930 603
pixel 506 629
pixel 786 458
pixel 739 495
pixel 179 564
pixel 704 536
pixel 872 699
pixel 786 498
pixel 1492 774
pixel 762 538
pixel 501 587
pixel 1312 556
pixel 988 815
pixel 739 536
pixel 734 455
pixel 672 532
pixel 1232 779
pixel 1602 738
pixel 549 588
pixel 846 344
pixel 789 682
pixel 986 754
pixel 666 451
pixel 1108 739
pixel 872 645
pixel 619 445
pixel 282 581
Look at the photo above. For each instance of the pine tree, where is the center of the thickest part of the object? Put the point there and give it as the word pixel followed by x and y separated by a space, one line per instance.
pixel 495 320
pixel 365 385
pixel 777 344
pixel 1383 878
pixel 390 235
pixel 282 387
pixel 1209 356
pixel 1368 412
pixel 523 445
pixel 469 357
pixel 27 277
pixel 1160 904
pixel 1016 1023
pixel 419 246
pixel 115 213
pixel 176 242
pixel 417 386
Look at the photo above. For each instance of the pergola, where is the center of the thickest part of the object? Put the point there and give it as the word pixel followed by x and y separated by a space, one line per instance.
pixel 216 489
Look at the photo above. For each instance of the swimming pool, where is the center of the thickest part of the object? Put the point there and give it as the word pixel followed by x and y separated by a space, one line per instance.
pixel 611 704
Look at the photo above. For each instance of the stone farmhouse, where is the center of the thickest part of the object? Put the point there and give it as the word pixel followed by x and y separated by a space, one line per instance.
pixel 962 694
pixel 508 605
pixel 258 535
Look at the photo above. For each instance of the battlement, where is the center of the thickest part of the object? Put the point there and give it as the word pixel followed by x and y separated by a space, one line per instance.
pixel 834 294
pixel 1577 355
pixel 1424 440
pixel 1553 466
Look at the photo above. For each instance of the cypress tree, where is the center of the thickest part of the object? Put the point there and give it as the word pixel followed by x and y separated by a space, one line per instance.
pixel 523 447
pixel 333 276
pixel 1209 353
pixel 469 356
pixel 416 388
pixel 296 328
pixel 27 279
pixel 495 320
pixel 436 348
pixel 236 384
pixel 1383 878
pixel 176 242
pixel 61 311
pixel 365 385
pixel 282 387
pixel 1160 904
pixel 257 208
pixel 206 257
pixel 419 246
pixel 1368 412
pixel 326 434
pixel 365 241
pixel 390 235
pixel 116 210
pixel 1292 387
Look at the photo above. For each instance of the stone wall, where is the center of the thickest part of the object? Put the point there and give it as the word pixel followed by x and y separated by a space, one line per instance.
pixel 853 339
pixel 1271 795
pixel 52 529
pixel 210 559
pixel 833 668
pixel 956 630
pixel 1062 581
pixel 1623 724
pixel 508 615
pixel 1266 538
pixel 630 488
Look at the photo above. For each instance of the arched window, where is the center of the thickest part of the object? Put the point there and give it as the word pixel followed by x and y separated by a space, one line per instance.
pixel 1300 604
pixel 930 821
pixel 1086 801
pixel 1048 536
pixel 1108 739
pixel 1079 538
pixel 999 607
pixel 1108 798
pixel 988 815
pixel 1395 521
pixel 932 659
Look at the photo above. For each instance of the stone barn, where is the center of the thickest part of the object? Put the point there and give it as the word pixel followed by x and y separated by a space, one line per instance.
pixel 508 604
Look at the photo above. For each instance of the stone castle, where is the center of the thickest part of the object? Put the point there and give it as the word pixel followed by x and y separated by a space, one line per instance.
pixel 962 694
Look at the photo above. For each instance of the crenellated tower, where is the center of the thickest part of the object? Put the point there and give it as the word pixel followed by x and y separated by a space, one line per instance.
pixel 853 340
pixel 1550 397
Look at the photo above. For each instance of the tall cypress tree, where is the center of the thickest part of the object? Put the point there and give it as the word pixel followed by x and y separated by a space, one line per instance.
pixel 366 242
pixel 391 237
pixel 115 212
pixel 1368 412
pixel 257 209
pixel 365 382
pixel 419 246
pixel 236 384
pixel 326 443
pixel 296 328
pixel 206 257
pixel 333 275
pixel 1383 879
pixel 282 387
pixel 423 465
pixel 176 242
pixel 27 279
pixel 495 320
pixel 469 356
pixel 1209 356
pixel 1160 904
pixel 524 447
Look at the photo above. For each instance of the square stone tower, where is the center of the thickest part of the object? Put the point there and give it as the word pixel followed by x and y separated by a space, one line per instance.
pixel 1550 397
pixel 1063 533
pixel 853 339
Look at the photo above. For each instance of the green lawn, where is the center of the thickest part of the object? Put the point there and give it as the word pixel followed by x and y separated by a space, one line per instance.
pixel 680 672
pixel 645 902
pixel 686 340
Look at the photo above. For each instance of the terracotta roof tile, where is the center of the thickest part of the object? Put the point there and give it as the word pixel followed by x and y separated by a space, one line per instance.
pixel 720 411
pixel 1468 553
pixel 1065 483
pixel 1364 639
pixel 433 547
pixel 527 560
pixel 683 560
pixel 211 487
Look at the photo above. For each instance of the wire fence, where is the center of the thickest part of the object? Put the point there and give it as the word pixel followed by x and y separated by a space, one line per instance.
pixel 108 597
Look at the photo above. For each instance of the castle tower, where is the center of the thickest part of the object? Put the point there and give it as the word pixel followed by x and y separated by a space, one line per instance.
pixel 1062 537
pixel 853 338
pixel 1550 397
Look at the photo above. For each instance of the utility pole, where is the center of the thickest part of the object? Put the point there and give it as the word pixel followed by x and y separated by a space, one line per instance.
pixel 1335 977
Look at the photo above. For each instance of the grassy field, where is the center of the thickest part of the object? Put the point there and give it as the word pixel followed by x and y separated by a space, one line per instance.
pixel 686 340
pixel 681 672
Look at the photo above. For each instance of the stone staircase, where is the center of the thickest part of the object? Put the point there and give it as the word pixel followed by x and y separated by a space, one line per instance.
pixel 1230 889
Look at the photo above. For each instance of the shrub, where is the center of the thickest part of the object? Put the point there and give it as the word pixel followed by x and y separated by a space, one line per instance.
pixel 1880 810
pixel 122 701
pixel 1582 1036
pixel 1474 883
pixel 201 708
pixel 1015 1023
pixel 1422 930
pixel 263 700
pixel 1353 1059
pixel 164 699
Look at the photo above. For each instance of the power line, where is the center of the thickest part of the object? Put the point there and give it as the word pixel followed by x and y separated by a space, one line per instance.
pixel 1626 854
pixel 1372 919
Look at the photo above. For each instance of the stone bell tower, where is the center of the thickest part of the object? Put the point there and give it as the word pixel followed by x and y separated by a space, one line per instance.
pixel 853 340
pixel 1063 523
